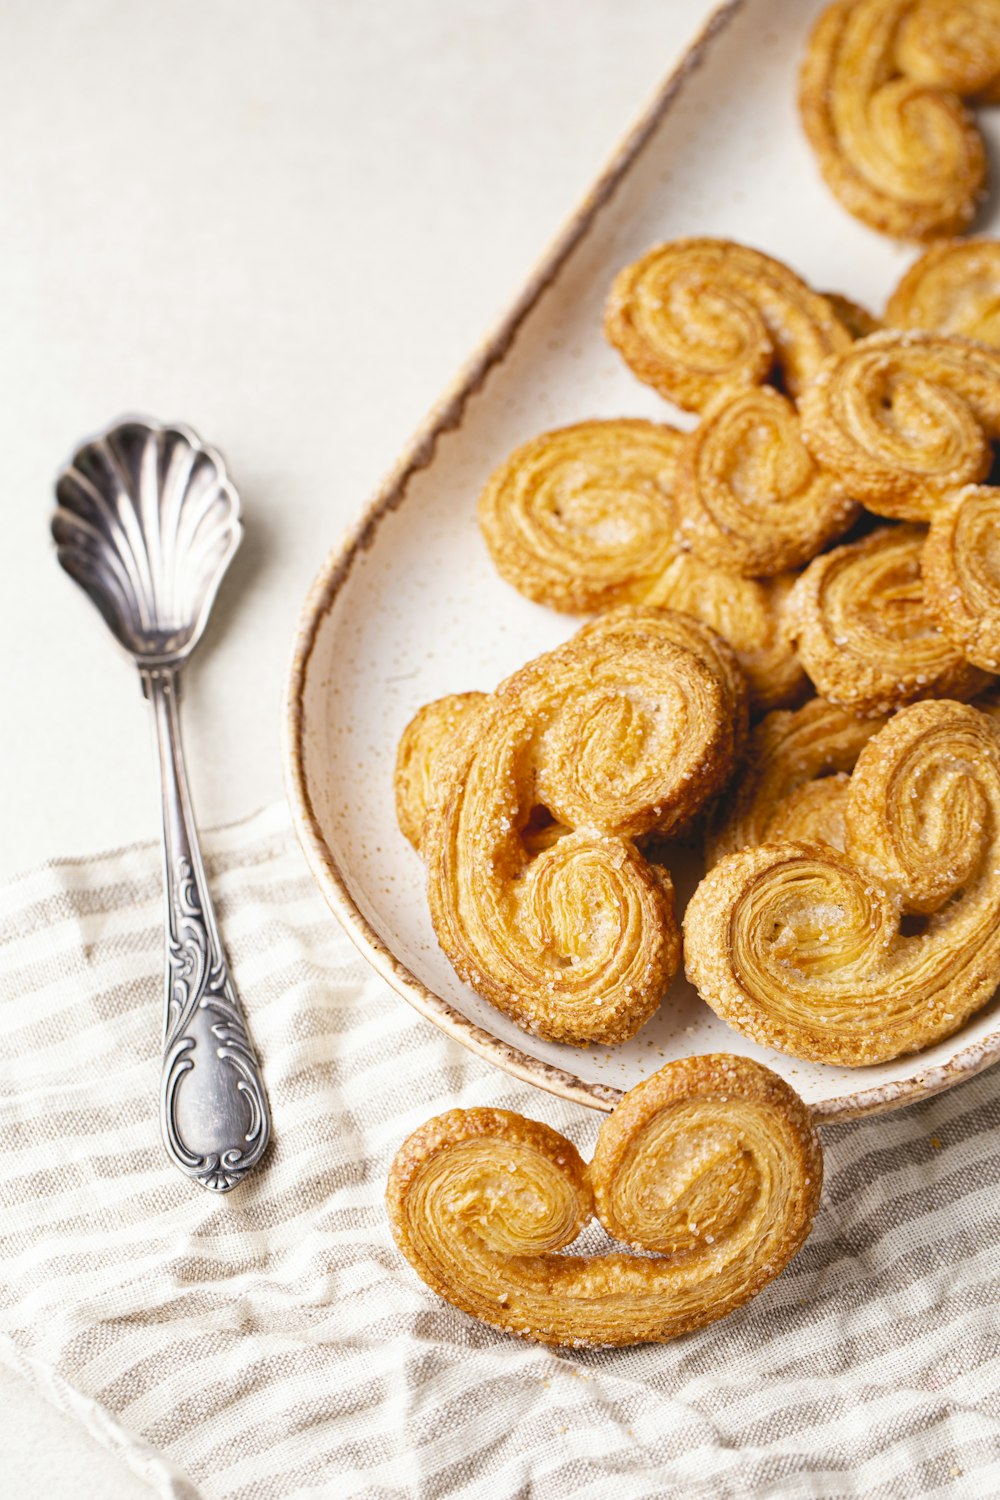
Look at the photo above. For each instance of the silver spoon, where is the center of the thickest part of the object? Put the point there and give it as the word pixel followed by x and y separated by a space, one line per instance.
pixel 146 523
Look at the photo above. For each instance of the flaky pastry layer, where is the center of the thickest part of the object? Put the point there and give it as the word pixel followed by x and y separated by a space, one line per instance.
pixel 860 956
pixel 713 1164
pixel 878 100
pixel 583 519
pixel 539 894
pixel 904 417
pixel 696 317
pixel 953 288
pixel 866 633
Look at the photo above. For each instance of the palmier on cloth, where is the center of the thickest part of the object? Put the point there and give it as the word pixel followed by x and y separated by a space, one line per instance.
pixel 794 782
pixel 904 417
pixel 539 894
pixel 583 519
pixel 713 1164
pixel 880 101
pixel 866 633
pixel 961 573
pixel 953 288
pixel 749 495
pixel 695 317
pixel 861 956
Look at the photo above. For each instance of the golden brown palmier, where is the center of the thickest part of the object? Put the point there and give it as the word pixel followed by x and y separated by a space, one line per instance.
pixel 904 417
pixel 583 519
pixel 713 1164
pixel 682 630
pixel 750 497
pixel 751 614
pixel 893 141
pixel 953 288
pixel 952 44
pixel 865 632
pixel 422 749
pixel 961 574
pixel 794 782
pixel 695 317
pixel 813 951
pixel 625 731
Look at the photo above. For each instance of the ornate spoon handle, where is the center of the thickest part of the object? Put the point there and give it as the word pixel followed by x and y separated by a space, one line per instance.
pixel 213 1109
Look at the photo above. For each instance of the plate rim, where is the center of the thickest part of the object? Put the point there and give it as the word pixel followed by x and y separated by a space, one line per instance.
pixel 446 416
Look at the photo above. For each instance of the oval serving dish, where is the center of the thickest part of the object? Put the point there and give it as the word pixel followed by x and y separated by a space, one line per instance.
pixel 410 606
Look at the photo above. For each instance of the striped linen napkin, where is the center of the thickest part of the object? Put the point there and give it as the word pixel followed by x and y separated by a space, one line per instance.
pixel 273 1343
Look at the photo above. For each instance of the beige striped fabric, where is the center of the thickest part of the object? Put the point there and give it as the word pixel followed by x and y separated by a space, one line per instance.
pixel 272 1343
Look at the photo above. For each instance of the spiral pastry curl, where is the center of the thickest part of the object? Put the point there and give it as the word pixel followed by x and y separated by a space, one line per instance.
pixel 751 614
pixel 904 417
pixel 961 573
pixel 539 894
pixel 865 632
pixel 713 1164
pixel 749 495
pixel 892 139
pixel 953 288
pixel 954 46
pixel 422 751
pixel 795 781
pixel 695 317
pixel 582 519
pixel 814 951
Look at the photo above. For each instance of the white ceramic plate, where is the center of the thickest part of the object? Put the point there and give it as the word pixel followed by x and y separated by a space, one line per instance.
pixel 411 607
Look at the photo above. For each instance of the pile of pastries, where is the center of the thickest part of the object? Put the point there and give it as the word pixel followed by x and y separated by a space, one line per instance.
pixel 818 558
pixel 792 654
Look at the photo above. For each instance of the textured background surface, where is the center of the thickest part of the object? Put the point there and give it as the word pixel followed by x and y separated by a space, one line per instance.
pixel 286 224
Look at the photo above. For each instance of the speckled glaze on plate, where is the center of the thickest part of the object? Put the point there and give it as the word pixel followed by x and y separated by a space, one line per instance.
pixel 410 607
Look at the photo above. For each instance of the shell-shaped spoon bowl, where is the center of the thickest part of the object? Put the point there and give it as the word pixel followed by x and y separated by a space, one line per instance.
pixel 146 523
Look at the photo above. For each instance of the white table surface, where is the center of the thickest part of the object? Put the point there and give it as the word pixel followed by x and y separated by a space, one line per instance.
pixel 286 222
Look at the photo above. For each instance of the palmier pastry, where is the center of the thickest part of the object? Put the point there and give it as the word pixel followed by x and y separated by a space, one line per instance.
pixel 861 956
pixel 904 417
pixel 795 780
pixel 953 44
pixel 582 519
pixel 961 573
pixel 749 495
pixel 893 139
pixel 713 1164
pixel 953 288
pixel 695 317
pixel 751 614
pixel 865 633
pixel 682 630
pixel 422 750
pixel 624 731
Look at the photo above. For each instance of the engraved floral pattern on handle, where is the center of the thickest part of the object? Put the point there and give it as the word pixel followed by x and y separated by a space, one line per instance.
pixel 198 982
